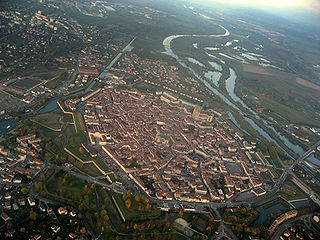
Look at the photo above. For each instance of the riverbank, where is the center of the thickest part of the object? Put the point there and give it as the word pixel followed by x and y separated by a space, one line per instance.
pixel 251 117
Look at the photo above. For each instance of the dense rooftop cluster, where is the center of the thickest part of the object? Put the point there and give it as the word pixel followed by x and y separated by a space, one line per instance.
pixel 170 148
pixel 23 161
pixel 159 73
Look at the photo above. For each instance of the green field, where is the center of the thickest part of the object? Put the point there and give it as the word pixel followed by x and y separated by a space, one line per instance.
pixel 290 191
pixel 281 95
pixel 79 122
pixel 74 145
pixel 57 80
pixel 52 120
pixel 132 214
pixel 88 169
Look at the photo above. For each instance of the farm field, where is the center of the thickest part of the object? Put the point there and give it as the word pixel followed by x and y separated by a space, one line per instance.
pixel 307 84
pixel 255 69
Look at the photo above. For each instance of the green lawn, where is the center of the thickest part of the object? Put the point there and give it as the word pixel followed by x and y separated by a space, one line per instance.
pixel 74 143
pixel 51 120
pixel 132 214
pixel 57 80
pixel 79 122
pixel 291 191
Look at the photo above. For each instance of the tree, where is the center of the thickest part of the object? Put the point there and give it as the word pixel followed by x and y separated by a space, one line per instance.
pixel 24 191
pixel 63 159
pixel 167 224
pixel 81 207
pixel 129 193
pixel 33 215
pixel 103 213
pixel 38 186
pixel 47 156
pixel 243 210
pixel 81 150
pixel 83 230
pixel 128 203
pixel 255 231
pixel 239 228
pixel 180 212
pixel 48 145
pixel 148 207
pixel 105 219
pixel 135 226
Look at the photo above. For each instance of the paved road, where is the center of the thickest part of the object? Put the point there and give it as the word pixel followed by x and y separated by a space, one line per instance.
pixel 304 156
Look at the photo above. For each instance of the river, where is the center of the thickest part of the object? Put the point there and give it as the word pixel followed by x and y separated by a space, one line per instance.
pixel 235 122
pixel 230 86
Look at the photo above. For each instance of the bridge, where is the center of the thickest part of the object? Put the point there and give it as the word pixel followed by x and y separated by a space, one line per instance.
pixel 306 155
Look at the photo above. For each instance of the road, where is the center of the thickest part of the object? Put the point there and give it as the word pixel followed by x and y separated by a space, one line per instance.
pixel 304 156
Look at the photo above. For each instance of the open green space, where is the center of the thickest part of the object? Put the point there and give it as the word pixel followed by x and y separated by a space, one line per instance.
pixel 275 172
pixel 292 191
pixel 280 94
pixel 136 210
pixel 52 120
pixel 241 220
pixel 286 112
pixel 74 145
pixel 278 201
pixel 95 204
pixel 79 122
pixel 57 80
